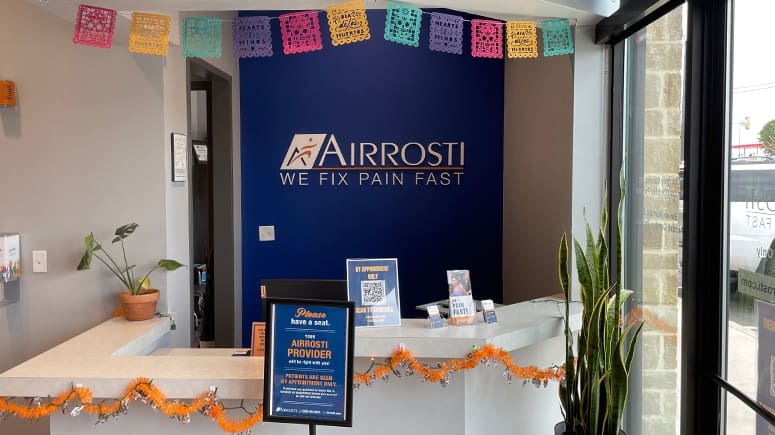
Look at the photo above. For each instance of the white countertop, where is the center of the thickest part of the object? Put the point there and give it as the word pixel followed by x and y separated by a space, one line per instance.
pixel 107 357
pixel 519 325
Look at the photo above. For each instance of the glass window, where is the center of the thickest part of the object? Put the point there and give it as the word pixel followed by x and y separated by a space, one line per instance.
pixel 652 218
pixel 750 345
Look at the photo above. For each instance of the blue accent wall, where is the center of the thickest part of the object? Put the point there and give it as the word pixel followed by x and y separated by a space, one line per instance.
pixel 373 91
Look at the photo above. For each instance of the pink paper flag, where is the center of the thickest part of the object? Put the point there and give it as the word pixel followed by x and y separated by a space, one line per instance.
pixel 301 32
pixel 487 38
pixel 94 26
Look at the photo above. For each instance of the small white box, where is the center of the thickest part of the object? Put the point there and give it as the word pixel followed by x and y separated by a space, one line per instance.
pixel 265 233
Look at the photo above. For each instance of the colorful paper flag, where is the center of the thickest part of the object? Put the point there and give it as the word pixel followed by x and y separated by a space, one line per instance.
pixel 446 33
pixel 487 38
pixel 252 37
pixel 402 24
pixel 149 34
pixel 95 26
pixel 558 38
pixel 522 40
pixel 300 32
pixel 201 37
pixel 347 22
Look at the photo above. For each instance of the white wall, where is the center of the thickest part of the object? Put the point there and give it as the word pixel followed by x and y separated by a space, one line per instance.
pixel 590 138
pixel 177 197
pixel 90 146
pixel 84 151
pixel 81 153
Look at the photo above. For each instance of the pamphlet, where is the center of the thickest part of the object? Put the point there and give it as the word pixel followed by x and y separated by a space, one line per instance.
pixel 373 285
pixel 461 301
pixel 488 311
pixel 258 340
pixel 434 317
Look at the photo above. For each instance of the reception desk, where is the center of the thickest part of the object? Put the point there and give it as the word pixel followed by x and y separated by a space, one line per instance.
pixel 479 401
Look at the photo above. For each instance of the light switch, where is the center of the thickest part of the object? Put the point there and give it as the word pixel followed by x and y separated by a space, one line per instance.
pixel 265 233
pixel 39 262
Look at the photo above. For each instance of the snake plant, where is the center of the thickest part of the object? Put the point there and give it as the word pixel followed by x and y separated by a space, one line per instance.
pixel 125 272
pixel 594 392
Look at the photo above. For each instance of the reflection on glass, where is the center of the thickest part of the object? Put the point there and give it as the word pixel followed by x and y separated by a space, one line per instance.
pixel 653 218
pixel 741 420
pixel 750 346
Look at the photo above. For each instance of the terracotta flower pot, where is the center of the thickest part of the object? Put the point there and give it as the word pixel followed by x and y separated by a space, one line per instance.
pixel 139 307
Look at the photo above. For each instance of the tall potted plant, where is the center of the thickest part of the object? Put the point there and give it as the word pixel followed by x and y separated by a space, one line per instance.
pixel 593 394
pixel 138 301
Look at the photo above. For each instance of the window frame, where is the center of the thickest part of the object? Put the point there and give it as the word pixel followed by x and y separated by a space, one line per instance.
pixel 706 118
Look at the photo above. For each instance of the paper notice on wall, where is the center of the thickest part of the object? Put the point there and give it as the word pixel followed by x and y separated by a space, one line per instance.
pixel 179 170
pixel 201 153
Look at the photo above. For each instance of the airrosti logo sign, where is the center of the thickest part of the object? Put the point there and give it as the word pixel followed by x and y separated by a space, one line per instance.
pixel 319 159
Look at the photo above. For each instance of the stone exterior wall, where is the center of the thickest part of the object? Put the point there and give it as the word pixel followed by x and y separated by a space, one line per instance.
pixel 662 222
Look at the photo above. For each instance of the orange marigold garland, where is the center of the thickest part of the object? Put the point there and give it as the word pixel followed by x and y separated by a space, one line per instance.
pixel 651 319
pixel 489 355
pixel 140 389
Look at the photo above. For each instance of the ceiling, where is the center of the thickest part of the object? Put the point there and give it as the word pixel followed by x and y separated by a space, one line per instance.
pixel 584 12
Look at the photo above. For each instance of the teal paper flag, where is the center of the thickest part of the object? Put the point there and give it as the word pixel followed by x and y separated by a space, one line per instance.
pixel 402 24
pixel 558 38
pixel 201 37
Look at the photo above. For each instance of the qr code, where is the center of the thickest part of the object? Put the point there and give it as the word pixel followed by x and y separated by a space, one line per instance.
pixel 373 292
pixel 772 375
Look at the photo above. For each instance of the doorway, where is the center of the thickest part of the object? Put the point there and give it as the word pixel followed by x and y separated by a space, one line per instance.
pixel 211 208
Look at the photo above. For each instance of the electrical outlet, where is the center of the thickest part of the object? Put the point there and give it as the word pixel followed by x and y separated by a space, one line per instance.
pixel 265 233
pixel 39 262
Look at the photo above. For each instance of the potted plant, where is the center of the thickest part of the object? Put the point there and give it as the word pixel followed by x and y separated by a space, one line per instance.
pixel 593 393
pixel 138 301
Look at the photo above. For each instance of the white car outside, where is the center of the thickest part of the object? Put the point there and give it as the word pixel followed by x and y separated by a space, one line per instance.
pixel 752 216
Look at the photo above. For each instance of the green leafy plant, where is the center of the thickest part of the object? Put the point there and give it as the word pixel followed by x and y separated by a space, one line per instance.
pixel 594 392
pixel 767 136
pixel 124 273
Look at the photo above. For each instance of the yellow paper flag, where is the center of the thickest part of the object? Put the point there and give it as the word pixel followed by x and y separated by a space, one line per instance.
pixel 149 34
pixel 522 39
pixel 347 22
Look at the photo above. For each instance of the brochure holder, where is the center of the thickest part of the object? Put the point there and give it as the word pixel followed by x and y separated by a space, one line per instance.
pixel 10 267
pixel 488 311
pixel 434 317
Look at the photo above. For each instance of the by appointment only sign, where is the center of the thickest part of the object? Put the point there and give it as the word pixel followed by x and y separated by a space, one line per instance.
pixel 320 159
pixel 308 366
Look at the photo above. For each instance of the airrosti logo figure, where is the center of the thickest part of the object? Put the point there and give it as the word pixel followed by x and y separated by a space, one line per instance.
pixel 303 151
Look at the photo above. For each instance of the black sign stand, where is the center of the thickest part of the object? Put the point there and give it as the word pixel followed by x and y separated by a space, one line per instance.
pixel 276 332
